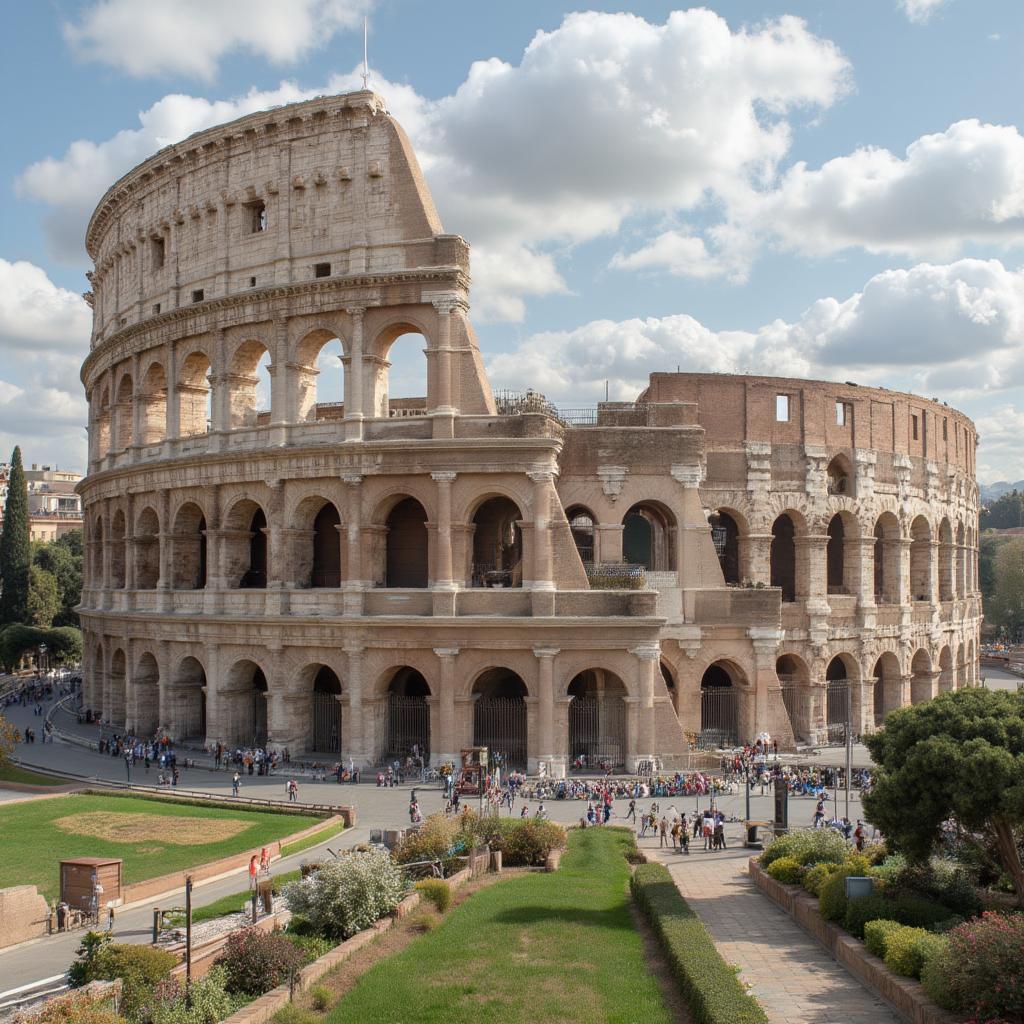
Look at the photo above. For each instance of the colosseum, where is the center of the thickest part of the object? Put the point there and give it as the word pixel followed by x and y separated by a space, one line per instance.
pixel 726 556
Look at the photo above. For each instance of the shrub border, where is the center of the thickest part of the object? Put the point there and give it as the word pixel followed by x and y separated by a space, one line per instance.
pixel 713 992
pixel 905 995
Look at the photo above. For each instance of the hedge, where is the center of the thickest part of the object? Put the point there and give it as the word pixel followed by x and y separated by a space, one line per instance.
pixel 710 986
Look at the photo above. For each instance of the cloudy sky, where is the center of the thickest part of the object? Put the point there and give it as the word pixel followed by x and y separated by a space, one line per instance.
pixel 811 187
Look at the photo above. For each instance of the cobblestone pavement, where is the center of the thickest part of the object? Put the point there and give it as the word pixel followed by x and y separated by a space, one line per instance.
pixel 794 979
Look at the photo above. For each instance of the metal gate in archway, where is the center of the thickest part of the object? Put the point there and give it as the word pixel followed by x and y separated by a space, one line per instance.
pixel 797 699
pixel 407 725
pixel 838 710
pixel 326 723
pixel 597 729
pixel 718 717
pixel 190 713
pixel 258 727
pixel 499 723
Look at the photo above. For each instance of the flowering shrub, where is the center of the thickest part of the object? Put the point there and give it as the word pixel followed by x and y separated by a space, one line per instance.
pixel 527 843
pixel 786 870
pixel 816 876
pixel 348 894
pixel 255 961
pixel 76 1008
pixel 434 839
pixel 987 980
pixel 208 1003
pixel 810 846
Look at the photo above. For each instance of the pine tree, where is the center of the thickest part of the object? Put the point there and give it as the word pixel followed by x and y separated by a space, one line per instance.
pixel 15 552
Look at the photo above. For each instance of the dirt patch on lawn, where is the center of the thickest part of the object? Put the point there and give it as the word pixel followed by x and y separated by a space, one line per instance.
pixel 136 828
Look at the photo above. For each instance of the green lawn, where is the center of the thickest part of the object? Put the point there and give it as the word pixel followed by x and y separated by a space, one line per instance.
pixel 12 773
pixel 31 845
pixel 539 948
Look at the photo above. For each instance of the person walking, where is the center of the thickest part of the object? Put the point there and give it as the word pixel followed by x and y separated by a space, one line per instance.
pixel 663 831
pixel 236 782
pixel 631 813
pixel 819 813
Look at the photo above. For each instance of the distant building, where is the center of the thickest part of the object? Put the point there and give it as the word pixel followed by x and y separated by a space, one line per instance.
pixel 54 508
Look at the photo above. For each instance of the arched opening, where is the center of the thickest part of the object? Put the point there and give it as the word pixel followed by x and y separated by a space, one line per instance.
pixel 887 559
pixel 116 705
pixel 154 405
pixel 185 710
pixel 835 556
pixel 783 557
pixel 123 414
pixel 399 385
pixel 245 704
pixel 147 696
pixel 325 717
pixel 321 377
pixel 188 547
pixel 117 553
pixel 718 706
pixel 947 562
pixel 499 717
pixel 597 719
pixel 245 546
pixel 649 537
pixel 797 695
pixel 194 395
pixel 920 559
pixel 147 550
pixel 326 570
pixel 406 562
pixel 581 526
pixel 407 717
pixel 102 423
pixel 248 384
pixel 670 685
pixel 725 535
pixel 961 562
pixel 497 544
pixel 888 690
pixel 99 538
pixel 838 700
pixel 838 474
pixel 947 680
pixel 921 679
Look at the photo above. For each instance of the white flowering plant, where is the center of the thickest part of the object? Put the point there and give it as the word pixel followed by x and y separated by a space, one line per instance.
pixel 347 895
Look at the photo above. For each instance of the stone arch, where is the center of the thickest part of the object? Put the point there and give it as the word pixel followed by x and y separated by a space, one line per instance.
pixel 839 475
pixel 118 539
pixel 183 706
pixel 581 526
pixel 783 560
pixel 245 547
pixel 243 703
pixel 322 688
pixel 321 356
pixel 500 716
pixel 947 676
pixel 649 536
pixel 406 706
pixel 887 559
pixel 99 539
pixel 242 379
pixel 598 719
pixel 147 549
pixel 101 420
pixel 194 394
pixel 719 703
pixel 922 679
pixel 960 569
pixel 146 695
pixel 729 532
pixel 115 707
pixel 122 419
pixel 188 548
pixel 412 373
pixel 842 697
pixel 405 561
pixel 920 559
pixel 947 561
pixel 497 549
pixel 153 398
pixel 316 522
pixel 797 695
pixel 888 688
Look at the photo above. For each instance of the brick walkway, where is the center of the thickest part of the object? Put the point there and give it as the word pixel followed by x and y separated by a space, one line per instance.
pixel 794 979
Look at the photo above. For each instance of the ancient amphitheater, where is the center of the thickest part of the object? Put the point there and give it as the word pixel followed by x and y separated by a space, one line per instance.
pixel 723 557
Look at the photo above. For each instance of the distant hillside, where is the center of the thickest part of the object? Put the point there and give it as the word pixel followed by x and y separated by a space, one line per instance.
pixel 993 492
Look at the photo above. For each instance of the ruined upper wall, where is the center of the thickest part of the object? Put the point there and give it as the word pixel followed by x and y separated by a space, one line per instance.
pixel 734 410
pixel 328 187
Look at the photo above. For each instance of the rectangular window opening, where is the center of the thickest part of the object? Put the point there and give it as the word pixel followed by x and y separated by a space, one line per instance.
pixel 844 414
pixel 257 216
pixel 198 294
pixel 252 282
pixel 321 270
pixel 156 307
pixel 945 429
pixel 159 253
pixel 915 427
pixel 782 408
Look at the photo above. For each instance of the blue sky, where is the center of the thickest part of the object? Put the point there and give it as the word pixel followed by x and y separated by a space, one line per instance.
pixel 823 188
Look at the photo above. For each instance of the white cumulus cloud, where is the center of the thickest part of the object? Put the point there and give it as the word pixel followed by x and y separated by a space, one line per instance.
pixel 920 11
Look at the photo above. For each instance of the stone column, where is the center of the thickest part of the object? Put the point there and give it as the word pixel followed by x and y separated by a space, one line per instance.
pixel 173 409
pixel 448 740
pixel 213 599
pixel 546 711
pixel 647 656
pixel 441 408
pixel 164 583
pixel 542 557
pixel 866 721
pixel 130 549
pixel 444 576
pixel 902 591
pixel 277 548
pixel 811 557
pixel 354 584
pixel 608 542
pixel 766 712
pixel 759 558
pixel 108 552
pixel 933 572
pixel 357 732
pixel 137 397
pixel 354 410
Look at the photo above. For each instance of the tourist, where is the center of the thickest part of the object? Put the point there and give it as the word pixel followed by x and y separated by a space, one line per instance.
pixel 236 782
pixel 253 871
pixel 819 813
pixel 663 831
pixel 631 813
pixel 858 836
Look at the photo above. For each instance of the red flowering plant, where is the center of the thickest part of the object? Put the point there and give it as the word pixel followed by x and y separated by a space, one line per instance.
pixel 985 958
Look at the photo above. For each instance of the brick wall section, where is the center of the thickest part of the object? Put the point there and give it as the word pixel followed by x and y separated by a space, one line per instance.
pixel 24 914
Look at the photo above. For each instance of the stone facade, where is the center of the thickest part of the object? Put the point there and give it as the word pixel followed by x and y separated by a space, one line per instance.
pixel 349 579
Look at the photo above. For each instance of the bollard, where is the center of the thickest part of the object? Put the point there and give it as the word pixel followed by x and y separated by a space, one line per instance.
pixel 496 861
pixel 156 924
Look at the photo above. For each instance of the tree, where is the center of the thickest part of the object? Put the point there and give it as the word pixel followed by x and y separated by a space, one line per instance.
pixel 63 558
pixel 43 597
pixel 8 741
pixel 16 640
pixel 1006 608
pixel 958 756
pixel 1007 512
pixel 14 547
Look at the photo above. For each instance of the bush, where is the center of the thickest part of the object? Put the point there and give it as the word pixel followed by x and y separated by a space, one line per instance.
pixel 295 1014
pixel 936 977
pixel 348 894
pixel 436 891
pixel 255 961
pixel 816 876
pixel 902 951
pixel 809 846
pixel 918 912
pixel 786 870
pixel 710 986
pixel 309 944
pixel 77 1008
pixel 433 840
pixel 527 843
pixel 876 933
pixel 208 1001
pixel 868 908
pixel 987 981
pixel 321 997
pixel 832 900
pixel 424 919
pixel 138 967
pixel 890 868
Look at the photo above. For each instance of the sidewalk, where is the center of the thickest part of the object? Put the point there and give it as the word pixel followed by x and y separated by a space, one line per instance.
pixel 793 978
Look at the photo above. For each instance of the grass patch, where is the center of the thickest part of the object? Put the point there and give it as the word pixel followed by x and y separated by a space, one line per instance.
pixel 314 840
pixel 34 844
pixel 12 773
pixel 539 948
pixel 712 990
pixel 234 902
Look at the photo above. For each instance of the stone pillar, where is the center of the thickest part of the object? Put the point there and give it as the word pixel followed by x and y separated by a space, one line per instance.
pixel 357 732
pixel 163 584
pixel 441 408
pixel 811 557
pixel 902 591
pixel 354 584
pixel 213 599
pixel 448 738
pixel 647 657
pixel 766 711
pixel 556 766
pixel 108 552
pixel 444 578
pixel 137 399
pixel 277 553
pixel 866 720
pixel 542 557
pixel 608 542
pixel 759 557
pixel 173 407
pixel 279 382
pixel 866 575
pixel 354 410
pixel 933 572
pixel 130 550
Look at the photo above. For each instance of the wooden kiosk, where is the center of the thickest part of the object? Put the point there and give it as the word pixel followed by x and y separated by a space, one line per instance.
pixel 84 877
